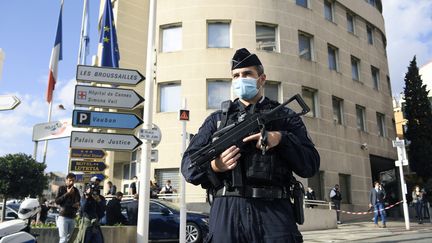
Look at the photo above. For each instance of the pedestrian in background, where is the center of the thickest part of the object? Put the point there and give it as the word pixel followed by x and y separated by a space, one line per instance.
pixel 68 200
pixel 376 200
pixel 418 199
pixel 113 211
pixel 132 211
pixel 133 187
pixel 310 195
pixel 112 189
pixel 336 198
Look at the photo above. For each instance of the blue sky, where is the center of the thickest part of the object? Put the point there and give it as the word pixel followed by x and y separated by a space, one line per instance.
pixel 27 32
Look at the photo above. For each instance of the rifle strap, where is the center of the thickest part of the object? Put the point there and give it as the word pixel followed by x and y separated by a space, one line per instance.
pixel 225 107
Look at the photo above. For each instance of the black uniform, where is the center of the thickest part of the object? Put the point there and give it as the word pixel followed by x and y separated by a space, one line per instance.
pixel 259 210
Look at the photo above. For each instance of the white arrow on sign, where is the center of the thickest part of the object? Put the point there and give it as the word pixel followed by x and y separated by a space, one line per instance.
pixel 108 141
pixel 108 75
pixel 8 102
pixel 106 97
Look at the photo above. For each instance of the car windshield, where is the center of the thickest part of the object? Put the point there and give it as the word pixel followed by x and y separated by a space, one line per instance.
pixel 170 205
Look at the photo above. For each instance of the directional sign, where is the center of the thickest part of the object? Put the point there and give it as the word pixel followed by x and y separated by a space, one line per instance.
pixel 108 75
pixel 52 130
pixel 105 119
pixel 87 154
pixel 108 141
pixel 106 97
pixel 87 166
pixel 84 178
pixel 8 102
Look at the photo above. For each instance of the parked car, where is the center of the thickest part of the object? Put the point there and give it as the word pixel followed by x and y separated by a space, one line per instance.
pixel 164 222
pixel 11 210
pixel 52 215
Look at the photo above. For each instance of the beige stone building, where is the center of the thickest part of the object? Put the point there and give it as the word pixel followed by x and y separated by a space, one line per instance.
pixel 332 52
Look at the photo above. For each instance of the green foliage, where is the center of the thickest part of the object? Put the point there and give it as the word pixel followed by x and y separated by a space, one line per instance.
pixel 21 176
pixel 419 122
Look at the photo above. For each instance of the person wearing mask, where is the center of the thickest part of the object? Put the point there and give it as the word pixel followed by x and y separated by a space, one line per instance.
pixel 258 209
pixel 336 198
pixel 376 200
pixel 68 199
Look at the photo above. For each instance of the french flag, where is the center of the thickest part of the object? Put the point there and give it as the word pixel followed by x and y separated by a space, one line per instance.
pixel 56 56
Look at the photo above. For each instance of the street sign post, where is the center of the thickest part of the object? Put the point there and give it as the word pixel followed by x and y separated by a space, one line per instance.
pixel 118 76
pixel 106 97
pixel 8 102
pixel 402 160
pixel 52 130
pixel 87 154
pixel 87 166
pixel 105 119
pixel 107 141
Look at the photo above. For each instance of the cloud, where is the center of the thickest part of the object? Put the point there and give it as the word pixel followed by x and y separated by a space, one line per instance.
pixel 409 33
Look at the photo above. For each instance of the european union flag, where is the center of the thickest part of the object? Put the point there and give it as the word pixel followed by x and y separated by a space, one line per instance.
pixel 108 39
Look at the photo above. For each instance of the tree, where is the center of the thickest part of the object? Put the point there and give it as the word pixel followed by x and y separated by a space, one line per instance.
pixel 21 176
pixel 419 122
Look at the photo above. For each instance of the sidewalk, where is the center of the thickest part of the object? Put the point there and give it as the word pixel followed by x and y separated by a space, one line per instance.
pixel 366 232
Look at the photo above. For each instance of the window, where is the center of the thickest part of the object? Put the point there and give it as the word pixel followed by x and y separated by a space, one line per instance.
pixel 355 68
pixel 271 90
pixel 345 187
pixel 388 84
pixel 170 99
pixel 361 117
pixel 171 38
pixel 375 77
pixel 332 57
pixel 350 23
pixel 218 35
pixel 217 91
pixel 266 37
pixel 337 110
pixel 129 170
pixel 162 175
pixel 303 3
pixel 381 124
pixel 310 96
pixel 370 36
pixel 328 10
pixel 317 184
pixel 305 46
pixel 372 2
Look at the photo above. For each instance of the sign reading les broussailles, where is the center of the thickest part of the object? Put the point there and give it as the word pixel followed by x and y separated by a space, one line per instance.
pixel 119 76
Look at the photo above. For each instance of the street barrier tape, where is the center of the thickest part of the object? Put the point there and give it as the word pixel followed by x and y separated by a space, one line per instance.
pixel 368 212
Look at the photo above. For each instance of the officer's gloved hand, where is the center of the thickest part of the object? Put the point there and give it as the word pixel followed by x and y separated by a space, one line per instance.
pixel 273 139
pixel 227 160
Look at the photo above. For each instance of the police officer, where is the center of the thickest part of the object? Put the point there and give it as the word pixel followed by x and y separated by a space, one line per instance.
pixel 253 204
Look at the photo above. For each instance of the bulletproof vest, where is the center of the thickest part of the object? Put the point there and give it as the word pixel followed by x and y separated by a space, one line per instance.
pixel 257 169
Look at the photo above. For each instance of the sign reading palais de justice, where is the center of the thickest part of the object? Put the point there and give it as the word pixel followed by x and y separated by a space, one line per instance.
pixel 105 119
pixel 106 75
pixel 108 141
pixel 106 97
pixel 52 130
pixel 87 153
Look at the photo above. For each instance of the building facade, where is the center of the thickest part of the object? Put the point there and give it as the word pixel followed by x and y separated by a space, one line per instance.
pixel 333 53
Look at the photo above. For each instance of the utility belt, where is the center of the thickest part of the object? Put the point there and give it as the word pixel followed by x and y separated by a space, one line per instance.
pixel 268 192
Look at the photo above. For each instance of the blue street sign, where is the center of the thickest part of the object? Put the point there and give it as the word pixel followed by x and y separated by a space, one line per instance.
pixel 105 119
pixel 80 178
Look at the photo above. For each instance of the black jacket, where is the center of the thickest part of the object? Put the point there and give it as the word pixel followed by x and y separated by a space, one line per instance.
pixel 113 212
pixel 295 148
pixel 66 202
pixel 132 212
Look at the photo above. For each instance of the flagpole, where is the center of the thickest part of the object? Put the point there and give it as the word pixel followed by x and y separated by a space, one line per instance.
pixel 46 141
pixel 84 38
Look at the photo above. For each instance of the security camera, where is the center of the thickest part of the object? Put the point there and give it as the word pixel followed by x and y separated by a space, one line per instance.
pixel 364 146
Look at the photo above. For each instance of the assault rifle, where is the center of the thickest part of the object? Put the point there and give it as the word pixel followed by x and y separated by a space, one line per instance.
pixel 234 133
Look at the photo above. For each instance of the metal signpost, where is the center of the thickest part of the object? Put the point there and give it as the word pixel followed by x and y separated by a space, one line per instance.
pixel 105 119
pixel 8 102
pixel 184 118
pixel 402 160
pixel 106 75
pixel 108 141
pixel 106 97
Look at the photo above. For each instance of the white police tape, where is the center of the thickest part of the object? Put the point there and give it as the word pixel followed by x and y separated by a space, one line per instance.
pixel 369 211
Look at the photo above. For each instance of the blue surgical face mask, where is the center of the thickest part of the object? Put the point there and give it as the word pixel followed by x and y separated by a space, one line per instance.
pixel 245 88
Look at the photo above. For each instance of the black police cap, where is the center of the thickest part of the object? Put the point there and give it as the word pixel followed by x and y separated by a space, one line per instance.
pixel 243 58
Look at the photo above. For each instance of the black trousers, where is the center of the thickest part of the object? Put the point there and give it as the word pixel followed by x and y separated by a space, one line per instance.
pixel 242 220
